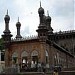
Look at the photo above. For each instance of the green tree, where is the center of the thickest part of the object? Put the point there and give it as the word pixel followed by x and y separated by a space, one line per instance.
pixel 1 44
pixel 2 49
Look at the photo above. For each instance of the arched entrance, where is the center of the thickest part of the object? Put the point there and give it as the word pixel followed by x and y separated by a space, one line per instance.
pixel 34 57
pixel 24 57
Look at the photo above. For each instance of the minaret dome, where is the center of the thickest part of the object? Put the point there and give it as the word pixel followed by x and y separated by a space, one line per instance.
pixel 18 23
pixel 7 17
pixel 40 10
pixel 48 18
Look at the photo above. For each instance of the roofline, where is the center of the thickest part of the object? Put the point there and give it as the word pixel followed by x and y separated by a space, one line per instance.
pixel 59 47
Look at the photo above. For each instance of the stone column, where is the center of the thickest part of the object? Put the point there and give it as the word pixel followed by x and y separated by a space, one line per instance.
pixel 29 61
pixel 42 50
pixel 7 58
pixel 51 56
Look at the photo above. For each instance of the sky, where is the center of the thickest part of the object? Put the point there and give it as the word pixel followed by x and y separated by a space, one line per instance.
pixel 61 12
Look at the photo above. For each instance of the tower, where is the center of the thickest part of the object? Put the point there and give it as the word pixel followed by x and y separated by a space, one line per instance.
pixel 7 36
pixel 48 23
pixel 42 29
pixel 41 14
pixel 18 25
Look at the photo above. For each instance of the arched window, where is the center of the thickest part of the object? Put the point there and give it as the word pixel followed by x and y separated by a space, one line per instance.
pixel 47 59
pixel 24 56
pixel 15 58
pixel 46 56
pixel 34 56
pixel 24 53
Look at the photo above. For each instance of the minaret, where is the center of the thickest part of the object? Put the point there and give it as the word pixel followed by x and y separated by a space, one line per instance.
pixel 18 25
pixel 42 29
pixel 41 13
pixel 48 22
pixel 7 19
pixel 7 36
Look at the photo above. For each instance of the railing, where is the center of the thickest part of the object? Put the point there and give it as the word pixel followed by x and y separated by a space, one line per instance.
pixel 63 32
pixel 26 38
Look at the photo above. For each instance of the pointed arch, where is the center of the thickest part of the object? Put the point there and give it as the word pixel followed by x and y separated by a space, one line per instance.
pixel 34 53
pixel 24 54
pixel 15 54
pixel 24 57
pixel 14 58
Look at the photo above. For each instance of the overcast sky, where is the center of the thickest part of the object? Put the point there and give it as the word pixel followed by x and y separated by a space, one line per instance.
pixel 61 12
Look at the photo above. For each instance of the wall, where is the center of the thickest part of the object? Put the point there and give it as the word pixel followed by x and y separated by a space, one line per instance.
pixel 28 46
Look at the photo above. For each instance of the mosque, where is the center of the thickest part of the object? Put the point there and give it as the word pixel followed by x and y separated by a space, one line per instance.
pixel 48 48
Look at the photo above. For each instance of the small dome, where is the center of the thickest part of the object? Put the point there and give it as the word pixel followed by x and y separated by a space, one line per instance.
pixel 7 17
pixel 48 18
pixel 41 10
pixel 18 24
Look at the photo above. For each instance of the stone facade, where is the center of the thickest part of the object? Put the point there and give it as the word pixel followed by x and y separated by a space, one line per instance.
pixel 31 48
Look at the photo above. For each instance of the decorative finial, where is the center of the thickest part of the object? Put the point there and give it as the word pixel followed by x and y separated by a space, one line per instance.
pixel 7 11
pixel 18 19
pixel 40 3
pixel 47 12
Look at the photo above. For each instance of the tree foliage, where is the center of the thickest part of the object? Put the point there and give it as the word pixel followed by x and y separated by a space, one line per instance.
pixel 1 44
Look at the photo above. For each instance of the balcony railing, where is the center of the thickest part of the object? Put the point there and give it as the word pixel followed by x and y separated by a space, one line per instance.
pixel 26 38
pixel 63 32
